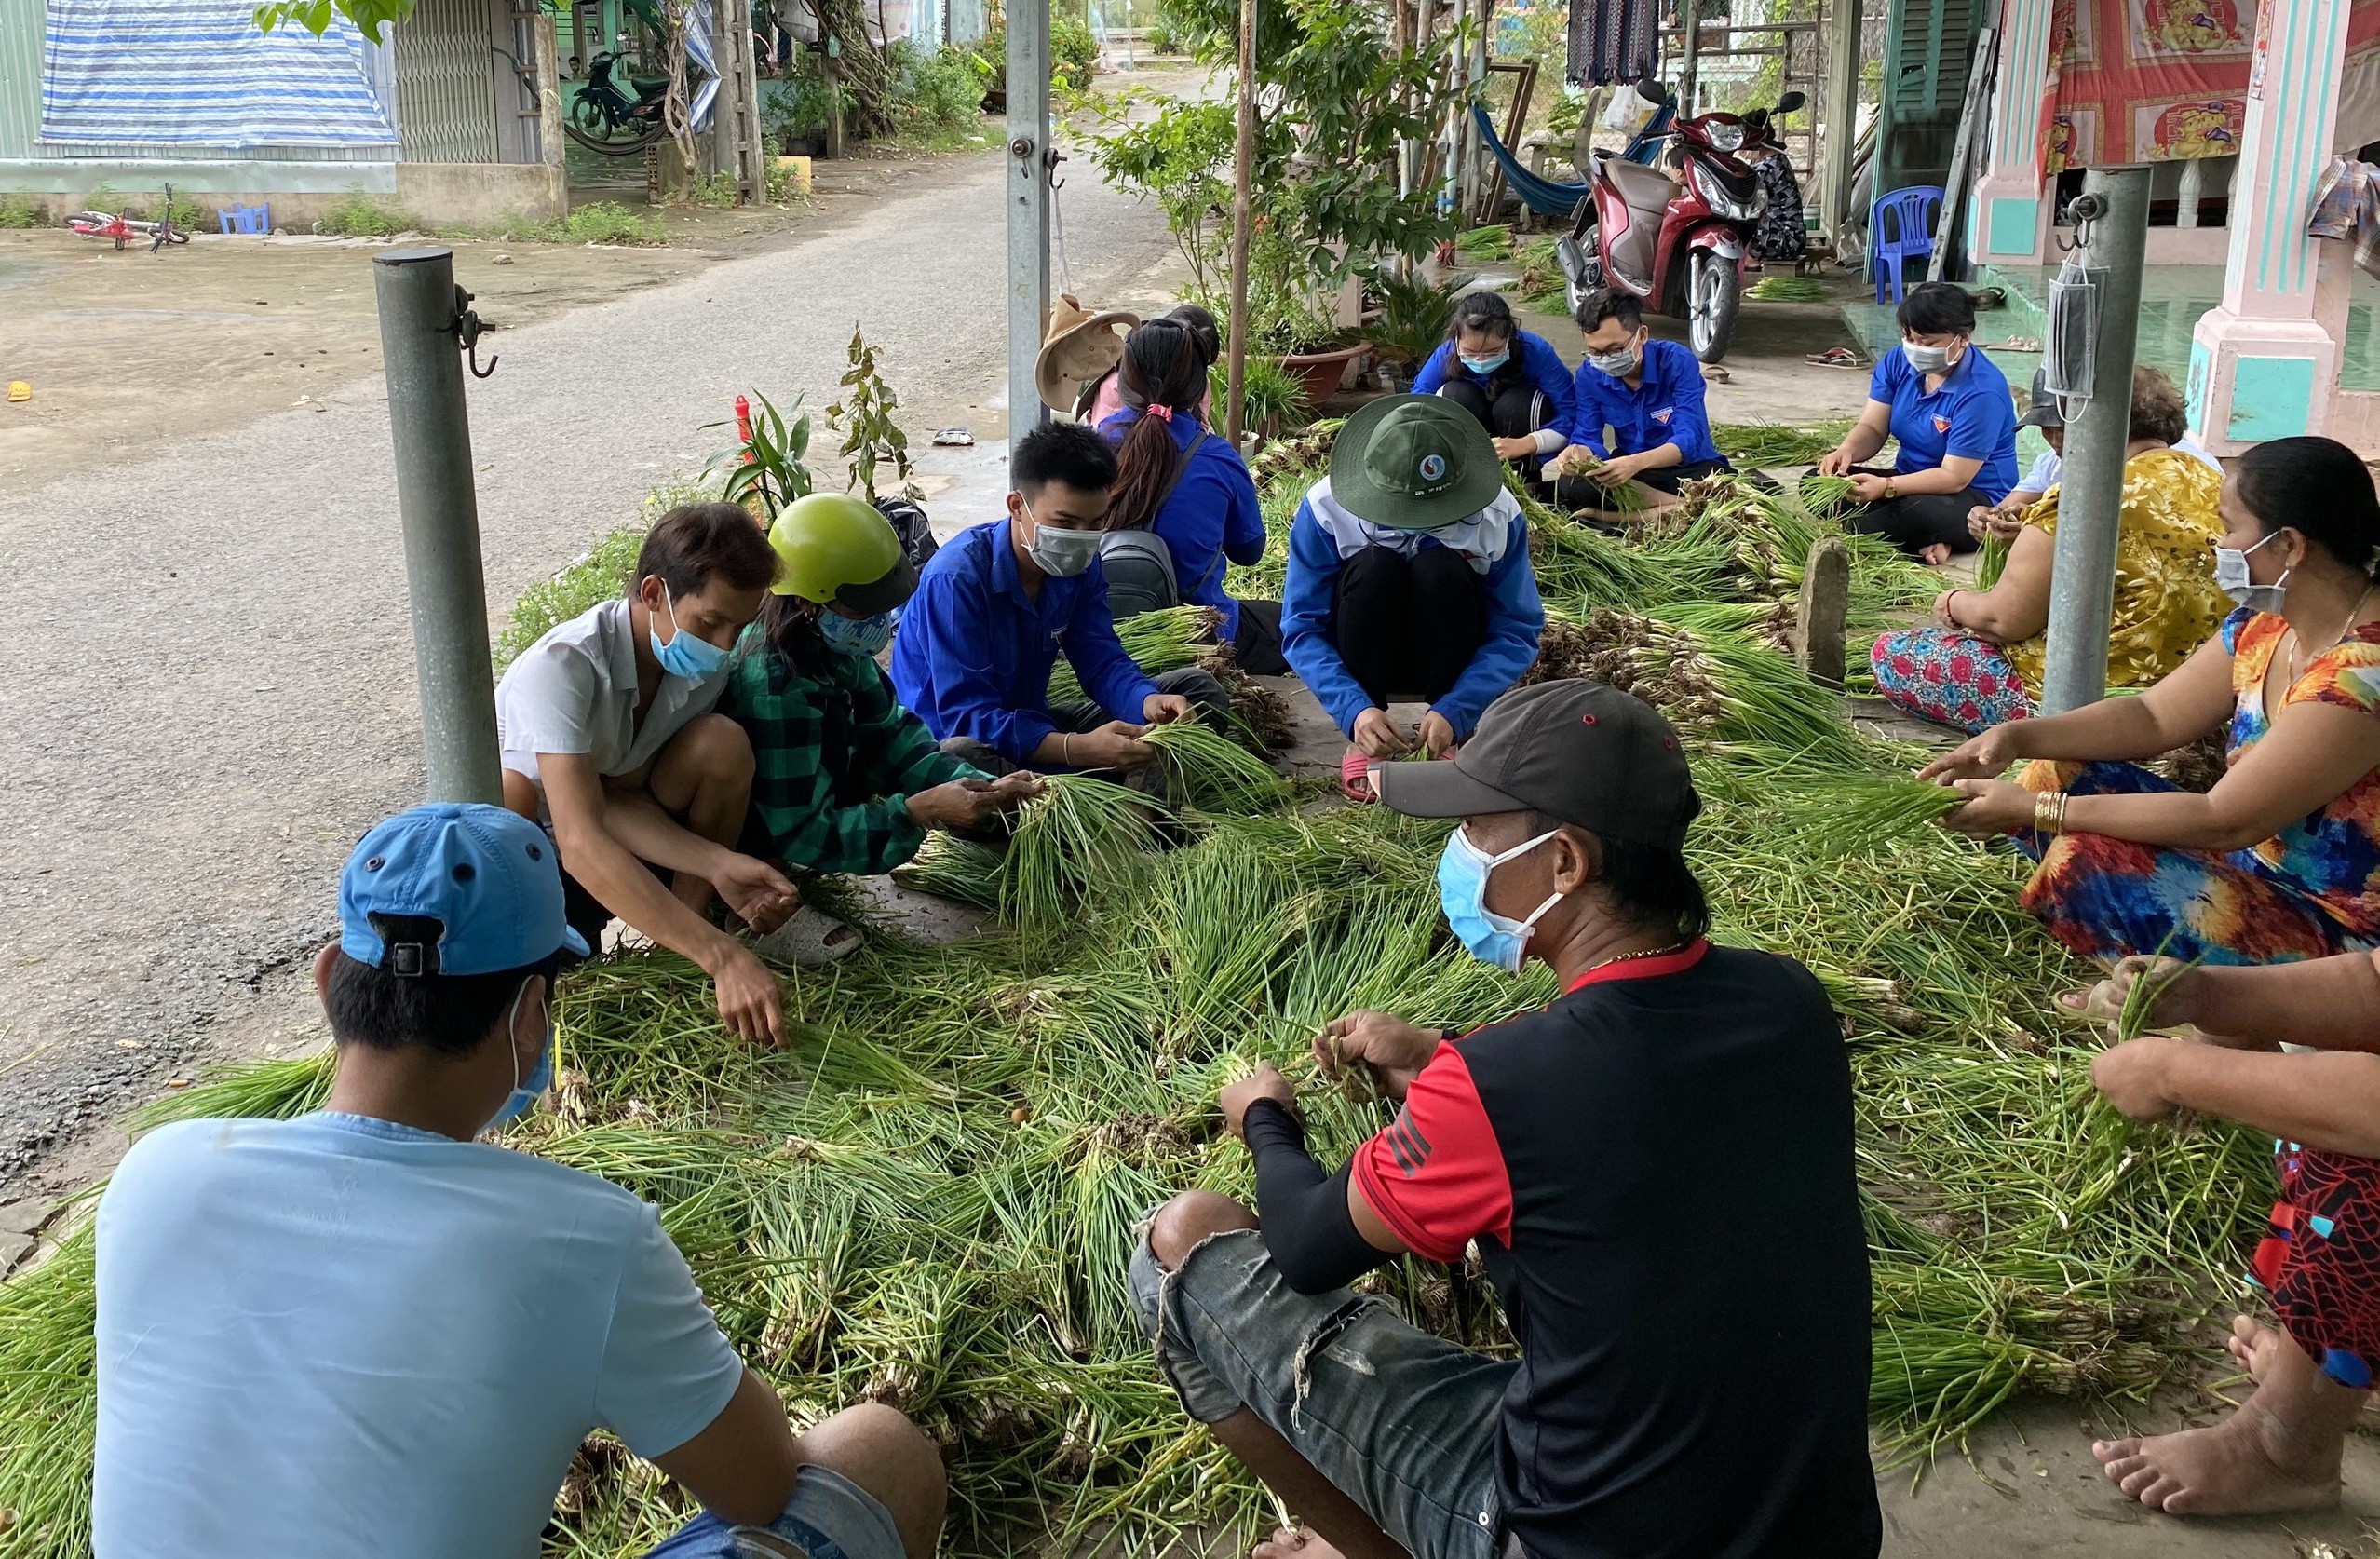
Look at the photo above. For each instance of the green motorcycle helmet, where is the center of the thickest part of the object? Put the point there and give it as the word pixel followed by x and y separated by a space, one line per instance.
pixel 831 547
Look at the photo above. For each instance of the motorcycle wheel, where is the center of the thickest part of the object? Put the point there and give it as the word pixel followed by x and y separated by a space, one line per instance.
pixel 617 145
pixel 1713 295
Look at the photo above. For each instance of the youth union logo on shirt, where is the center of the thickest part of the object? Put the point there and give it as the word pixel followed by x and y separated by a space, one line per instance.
pixel 1942 424
pixel 1662 417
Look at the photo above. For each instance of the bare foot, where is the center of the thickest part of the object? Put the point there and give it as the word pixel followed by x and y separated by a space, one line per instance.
pixel 2222 1471
pixel 1300 1544
pixel 2252 1346
pixel 1939 552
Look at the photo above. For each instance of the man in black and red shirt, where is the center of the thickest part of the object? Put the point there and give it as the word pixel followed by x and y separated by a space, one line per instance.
pixel 1657 1171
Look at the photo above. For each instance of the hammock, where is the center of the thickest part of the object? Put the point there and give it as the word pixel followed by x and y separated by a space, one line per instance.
pixel 1542 195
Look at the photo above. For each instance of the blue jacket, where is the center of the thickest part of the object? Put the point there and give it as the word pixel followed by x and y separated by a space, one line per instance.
pixel 972 655
pixel 1972 416
pixel 1211 514
pixel 1665 407
pixel 1533 355
pixel 1323 534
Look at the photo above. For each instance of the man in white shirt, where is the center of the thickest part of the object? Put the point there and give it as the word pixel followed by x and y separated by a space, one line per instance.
pixel 364 1334
pixel 2004 517
pixel 609 739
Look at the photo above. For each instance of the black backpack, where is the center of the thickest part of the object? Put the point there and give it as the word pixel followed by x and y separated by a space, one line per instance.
pixel 915 530
pixel 1137 562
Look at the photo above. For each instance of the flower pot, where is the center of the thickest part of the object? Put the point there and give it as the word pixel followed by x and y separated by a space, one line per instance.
pixel 1320 372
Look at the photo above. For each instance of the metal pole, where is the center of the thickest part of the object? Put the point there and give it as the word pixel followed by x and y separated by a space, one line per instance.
pixel 420 311
pixel 1690 45
pixel 1029 165
pixel 1839 116
pixel 1243 197
pixel 2082 581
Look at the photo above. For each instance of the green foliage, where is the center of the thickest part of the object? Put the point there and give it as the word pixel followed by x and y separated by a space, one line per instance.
pixel 1181 157
pixel 1415 312
pixel 1074 53
pixel 357 215
pixel 1272 399
pixel 797 105
pixel 871 437
pixel 18 210
pixel 939 88
pixel 314 16
pixel 717 192
pixel 605 221
pixel 597 574
pixel 764 468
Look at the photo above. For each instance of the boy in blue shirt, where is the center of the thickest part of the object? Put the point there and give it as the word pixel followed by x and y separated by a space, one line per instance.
pixel 1649 394
pixel 1951 411
pixel 366 1331
pixel 1409 579
pixel 997 605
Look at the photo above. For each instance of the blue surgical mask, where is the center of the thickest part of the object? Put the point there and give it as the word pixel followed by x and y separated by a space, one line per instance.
pixel 683 656
pixel 1926 359
pixel 1620 364
pixel 526 1091
pixel 1491 937
pixel 1488 364
pixel 862 636
pixel 2231 578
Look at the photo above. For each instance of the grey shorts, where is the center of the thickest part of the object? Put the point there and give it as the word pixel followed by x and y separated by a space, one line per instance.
pixel 1401 1422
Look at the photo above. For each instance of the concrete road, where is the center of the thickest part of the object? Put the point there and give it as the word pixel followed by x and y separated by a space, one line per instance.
pixel 212 688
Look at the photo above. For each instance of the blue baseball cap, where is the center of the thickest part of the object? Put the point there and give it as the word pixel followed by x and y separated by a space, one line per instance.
pixel 486 875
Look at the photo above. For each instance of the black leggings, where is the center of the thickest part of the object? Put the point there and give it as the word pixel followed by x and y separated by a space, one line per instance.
pixel 1408 627
pixel 1507 411
pixel 1579 491
pixel 1919 520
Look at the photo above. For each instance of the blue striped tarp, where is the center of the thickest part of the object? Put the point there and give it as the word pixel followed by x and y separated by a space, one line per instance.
pixel 197 73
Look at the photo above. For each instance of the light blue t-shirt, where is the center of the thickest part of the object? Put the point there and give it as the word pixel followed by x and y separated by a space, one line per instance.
pixel 340 1337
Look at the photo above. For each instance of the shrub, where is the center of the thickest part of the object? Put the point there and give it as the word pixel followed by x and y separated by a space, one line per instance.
pixel 597 574
pixel 938 90
pixel 605 221
pixel 1074 54
pixel 18 210
pixel 357 215
pixel 796 104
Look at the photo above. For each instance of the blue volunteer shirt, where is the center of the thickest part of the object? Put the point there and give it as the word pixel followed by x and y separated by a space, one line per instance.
pixel 973 654
pixel 1210 517
pixel 343 1336
pixel 1539 364
pixel 1665 407
pixel 1971 416
pixel 1323 535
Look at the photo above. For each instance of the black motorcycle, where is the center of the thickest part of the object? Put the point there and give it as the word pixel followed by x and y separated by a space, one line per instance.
pixel 616 120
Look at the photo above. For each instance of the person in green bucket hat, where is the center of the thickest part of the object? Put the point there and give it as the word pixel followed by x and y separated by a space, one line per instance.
pixel 1409 580
pixel 843 778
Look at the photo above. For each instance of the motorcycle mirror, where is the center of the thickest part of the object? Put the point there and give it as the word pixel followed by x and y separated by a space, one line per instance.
pixel 1652 91
pixel 1791 102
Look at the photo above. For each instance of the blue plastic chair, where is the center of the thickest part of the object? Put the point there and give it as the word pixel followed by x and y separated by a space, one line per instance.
pixel 246 218
pixel 1914 212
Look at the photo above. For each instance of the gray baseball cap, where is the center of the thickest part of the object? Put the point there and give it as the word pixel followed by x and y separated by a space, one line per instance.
pixel 2044 411
pixel 1582 752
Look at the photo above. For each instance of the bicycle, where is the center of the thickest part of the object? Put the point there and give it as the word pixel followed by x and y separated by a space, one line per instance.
pixel 124 229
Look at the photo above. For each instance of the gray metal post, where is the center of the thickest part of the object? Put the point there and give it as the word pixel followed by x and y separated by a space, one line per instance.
pixel 1028 206
pixel 420 308
pixel 2082 582
pixel 1839 116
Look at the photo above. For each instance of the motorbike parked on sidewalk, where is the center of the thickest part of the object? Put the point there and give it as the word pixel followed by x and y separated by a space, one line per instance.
pixel 605 118
pixel 1678 243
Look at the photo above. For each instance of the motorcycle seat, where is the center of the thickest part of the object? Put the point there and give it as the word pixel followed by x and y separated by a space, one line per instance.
pixel 1644 189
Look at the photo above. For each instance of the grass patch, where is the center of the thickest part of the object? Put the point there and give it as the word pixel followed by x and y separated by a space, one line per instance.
pixel 18 212
pixel 357 215
pixel 597 574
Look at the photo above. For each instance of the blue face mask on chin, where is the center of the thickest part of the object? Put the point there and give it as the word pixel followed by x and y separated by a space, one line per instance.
pixel 526 1091
pixel 860 636
pixel 683 656
pixel 1491 937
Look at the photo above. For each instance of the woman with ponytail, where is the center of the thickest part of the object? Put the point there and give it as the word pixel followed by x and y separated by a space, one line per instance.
pixel 1183 482
pixel 2281 859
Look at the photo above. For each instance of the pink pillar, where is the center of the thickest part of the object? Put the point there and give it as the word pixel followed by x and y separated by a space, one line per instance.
pixel 2264 363
pixel 2008 220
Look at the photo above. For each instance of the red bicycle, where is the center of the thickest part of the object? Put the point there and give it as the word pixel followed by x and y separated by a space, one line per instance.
pixel 126 230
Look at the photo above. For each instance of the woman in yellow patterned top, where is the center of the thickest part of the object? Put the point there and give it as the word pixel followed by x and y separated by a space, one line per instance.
pixel 1976 666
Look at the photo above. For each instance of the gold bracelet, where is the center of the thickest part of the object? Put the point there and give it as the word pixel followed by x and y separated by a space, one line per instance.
pixel 2048 811
pixel 2064 797
pixel 1066 750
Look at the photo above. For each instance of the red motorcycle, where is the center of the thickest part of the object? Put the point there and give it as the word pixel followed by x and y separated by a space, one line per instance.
pixel 1678 243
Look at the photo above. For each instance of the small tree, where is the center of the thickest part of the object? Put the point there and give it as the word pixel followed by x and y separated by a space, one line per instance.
pixel 871 437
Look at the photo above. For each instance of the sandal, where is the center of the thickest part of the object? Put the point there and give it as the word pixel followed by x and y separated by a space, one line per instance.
pixel 1355 775
pixel 1835 357
pixel 811 938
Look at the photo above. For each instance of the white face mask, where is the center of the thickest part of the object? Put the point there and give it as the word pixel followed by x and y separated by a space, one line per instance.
pixel 2231 578
pixel 1620 364
pixel 1059 554
pixel 1925 358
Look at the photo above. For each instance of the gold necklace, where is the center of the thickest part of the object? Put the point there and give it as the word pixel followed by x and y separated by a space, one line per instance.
pixel 2297 641
pixel 1678 946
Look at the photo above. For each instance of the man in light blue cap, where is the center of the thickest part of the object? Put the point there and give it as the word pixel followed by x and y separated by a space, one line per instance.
pixel 365 1331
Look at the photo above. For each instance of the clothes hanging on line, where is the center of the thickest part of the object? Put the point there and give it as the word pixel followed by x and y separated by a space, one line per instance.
pixel 2346 204
pixel 1612 40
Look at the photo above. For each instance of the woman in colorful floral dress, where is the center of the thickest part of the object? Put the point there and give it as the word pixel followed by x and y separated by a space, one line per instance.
pixel 2282 860
pixel 1980 662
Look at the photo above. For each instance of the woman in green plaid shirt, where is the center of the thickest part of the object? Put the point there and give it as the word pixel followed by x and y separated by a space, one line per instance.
pixel 845 779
